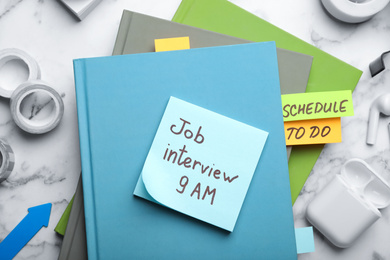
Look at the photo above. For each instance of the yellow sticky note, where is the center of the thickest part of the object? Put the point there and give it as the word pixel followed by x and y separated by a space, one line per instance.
pixel 316 131
pixel 316 105
pixel 172 44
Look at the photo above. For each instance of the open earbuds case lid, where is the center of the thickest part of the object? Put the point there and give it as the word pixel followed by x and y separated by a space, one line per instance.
pixel 362 179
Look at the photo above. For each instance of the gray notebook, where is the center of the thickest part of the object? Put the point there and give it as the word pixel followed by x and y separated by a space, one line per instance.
pixel 136 34
pixel 74 245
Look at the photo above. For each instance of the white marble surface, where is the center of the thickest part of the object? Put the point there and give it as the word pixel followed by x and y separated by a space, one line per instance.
pixel 48 166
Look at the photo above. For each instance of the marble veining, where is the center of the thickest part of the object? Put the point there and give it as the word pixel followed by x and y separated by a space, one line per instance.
pixel 7 6
pixel 48 166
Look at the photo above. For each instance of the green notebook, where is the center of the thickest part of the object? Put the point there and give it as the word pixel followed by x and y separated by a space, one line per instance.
pixel 327 72
pixel 63 222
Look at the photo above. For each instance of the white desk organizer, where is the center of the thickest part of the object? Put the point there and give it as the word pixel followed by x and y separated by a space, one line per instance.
pixel 349 204
pixel 80 8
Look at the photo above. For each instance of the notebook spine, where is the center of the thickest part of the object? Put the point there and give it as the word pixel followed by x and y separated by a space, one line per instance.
pixel 123 31
pixel 85 151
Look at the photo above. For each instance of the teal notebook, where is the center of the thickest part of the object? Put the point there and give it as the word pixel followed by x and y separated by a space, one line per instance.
pixel 120 103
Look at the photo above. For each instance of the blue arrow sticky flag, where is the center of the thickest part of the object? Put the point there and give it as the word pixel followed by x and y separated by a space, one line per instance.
pixel 27 228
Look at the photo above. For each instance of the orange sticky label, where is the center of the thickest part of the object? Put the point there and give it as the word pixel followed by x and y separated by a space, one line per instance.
pixel 172 44
pixel 316 131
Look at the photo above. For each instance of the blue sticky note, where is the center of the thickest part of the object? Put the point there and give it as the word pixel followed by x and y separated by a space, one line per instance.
pixel 305 240
pixel 201 163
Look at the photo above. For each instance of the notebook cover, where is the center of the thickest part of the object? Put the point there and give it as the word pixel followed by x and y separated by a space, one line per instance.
pixel 116 129
pixel 327 72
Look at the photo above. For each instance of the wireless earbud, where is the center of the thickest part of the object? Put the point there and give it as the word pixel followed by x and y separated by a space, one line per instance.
pixel 380 105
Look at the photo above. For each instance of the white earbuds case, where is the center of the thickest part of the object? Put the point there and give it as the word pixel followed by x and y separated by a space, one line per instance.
pixel 349 204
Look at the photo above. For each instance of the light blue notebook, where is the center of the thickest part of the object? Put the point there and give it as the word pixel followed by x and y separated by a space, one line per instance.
pixel 120 103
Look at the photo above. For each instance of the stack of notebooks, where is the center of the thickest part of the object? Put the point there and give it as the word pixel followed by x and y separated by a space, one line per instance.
pixel 121 100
